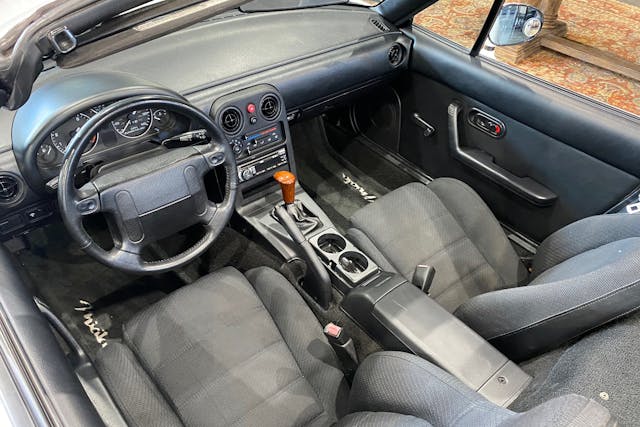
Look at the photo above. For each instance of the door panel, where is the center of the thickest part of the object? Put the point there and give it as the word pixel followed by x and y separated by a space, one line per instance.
pixel 588 158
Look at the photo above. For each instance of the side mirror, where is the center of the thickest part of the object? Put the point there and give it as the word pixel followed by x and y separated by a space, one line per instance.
pixel 515 24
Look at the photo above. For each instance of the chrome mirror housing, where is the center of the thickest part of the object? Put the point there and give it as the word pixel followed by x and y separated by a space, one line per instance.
pixel 516 24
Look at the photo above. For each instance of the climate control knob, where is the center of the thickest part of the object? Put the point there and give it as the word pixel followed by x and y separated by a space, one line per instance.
pixel 237 148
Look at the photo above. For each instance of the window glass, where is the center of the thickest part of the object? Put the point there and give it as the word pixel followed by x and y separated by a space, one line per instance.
pixel 457 20
pixel 591 47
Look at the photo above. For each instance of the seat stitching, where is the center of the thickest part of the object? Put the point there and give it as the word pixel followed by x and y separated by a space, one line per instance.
pixel 268 399
pixel 431 375
pixel 459 280
pixel 227 373
pixel 257 309
pixel 570 310
pixel 492 218
pixel 375 245
pixel 146 379
pixel 143 364
pixel 272 317
pixel 448 246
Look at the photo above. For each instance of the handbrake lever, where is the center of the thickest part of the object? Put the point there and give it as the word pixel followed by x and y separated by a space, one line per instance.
pixel 423 277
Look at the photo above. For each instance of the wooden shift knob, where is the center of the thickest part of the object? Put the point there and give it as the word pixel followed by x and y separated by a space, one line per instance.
pixel 287 182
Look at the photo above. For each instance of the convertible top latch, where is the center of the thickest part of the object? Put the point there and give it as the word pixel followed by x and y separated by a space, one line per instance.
pixel 62 40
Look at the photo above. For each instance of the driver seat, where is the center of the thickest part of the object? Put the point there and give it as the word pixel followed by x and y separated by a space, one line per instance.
pixel 235 350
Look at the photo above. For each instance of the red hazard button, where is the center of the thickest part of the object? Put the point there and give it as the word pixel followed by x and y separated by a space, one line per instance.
pixel 333 330
pixel 251 108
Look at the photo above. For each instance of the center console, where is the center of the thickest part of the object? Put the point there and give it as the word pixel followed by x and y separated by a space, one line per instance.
pixel 396 313
pixel 255 122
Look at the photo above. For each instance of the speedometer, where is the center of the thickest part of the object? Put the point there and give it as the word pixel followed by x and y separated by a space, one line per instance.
pixel 61 136
pixel 134 124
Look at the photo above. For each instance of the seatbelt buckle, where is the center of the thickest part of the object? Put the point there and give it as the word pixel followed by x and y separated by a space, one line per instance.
pixel 343 344
pixel 633 208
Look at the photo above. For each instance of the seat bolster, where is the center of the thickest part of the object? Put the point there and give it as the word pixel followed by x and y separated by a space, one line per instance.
pixel 362 242
pixel 403 383
pixel 583 235
pixel 134 392
pixel 481 227
pixel 570 410
pixel 303 335
pixel 381 419
pixel 568 300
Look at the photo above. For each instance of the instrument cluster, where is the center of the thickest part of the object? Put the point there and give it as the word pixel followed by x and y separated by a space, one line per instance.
pixel 125 132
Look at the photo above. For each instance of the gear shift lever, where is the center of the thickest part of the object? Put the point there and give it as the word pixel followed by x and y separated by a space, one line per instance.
pixel 297 222
pixel 304 219
pixel 287 182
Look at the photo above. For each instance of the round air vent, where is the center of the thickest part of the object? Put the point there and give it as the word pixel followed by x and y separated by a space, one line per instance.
pixel 231 120
pixel 10 188
pixel 396 55
pixel 270 107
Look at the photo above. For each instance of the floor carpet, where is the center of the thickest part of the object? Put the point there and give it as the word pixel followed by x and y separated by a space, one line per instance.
pixel 90 298
pixel 609 25
pixel 340 189
pixel 603 366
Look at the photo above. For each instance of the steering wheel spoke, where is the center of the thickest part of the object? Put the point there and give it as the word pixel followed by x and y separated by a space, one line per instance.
pixel 87 200
pixel 214 153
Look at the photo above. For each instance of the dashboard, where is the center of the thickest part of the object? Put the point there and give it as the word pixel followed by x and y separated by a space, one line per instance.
pixel 289 65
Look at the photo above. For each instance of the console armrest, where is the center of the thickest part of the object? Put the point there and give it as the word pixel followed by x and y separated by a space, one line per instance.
pixel 404 318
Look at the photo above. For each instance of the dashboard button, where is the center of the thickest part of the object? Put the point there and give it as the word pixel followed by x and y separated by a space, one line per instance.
pixel 251 108
pixel 37 213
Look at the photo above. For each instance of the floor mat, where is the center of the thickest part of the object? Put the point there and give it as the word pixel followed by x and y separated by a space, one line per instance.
pixel 91 299
pixel 602 366
pixel 339 189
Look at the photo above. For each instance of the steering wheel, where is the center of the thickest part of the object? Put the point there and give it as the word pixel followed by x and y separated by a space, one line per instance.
pixel 155 197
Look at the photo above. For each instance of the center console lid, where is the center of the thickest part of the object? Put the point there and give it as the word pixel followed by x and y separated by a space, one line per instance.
pixel 402 317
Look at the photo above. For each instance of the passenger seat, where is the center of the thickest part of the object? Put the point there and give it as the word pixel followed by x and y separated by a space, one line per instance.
pixel 583 276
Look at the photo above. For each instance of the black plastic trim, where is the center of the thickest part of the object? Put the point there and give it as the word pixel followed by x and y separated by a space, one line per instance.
pixel 482 162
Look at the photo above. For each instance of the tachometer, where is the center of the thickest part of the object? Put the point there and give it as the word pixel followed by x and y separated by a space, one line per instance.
pixel 61 136
pixel 134 124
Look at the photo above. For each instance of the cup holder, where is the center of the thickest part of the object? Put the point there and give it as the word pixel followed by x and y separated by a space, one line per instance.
pixel 353 262
pixel 331 243
pixel 342 258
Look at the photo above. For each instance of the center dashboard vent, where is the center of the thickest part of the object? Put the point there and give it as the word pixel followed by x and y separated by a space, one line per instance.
pixel 10 188
pixel 270 107
pixel 231 120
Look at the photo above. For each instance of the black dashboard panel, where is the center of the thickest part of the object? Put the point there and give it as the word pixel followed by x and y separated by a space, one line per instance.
pixel 228 48
pixel 313 59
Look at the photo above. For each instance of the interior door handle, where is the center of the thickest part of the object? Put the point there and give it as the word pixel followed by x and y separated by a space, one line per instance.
pixel 483 162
